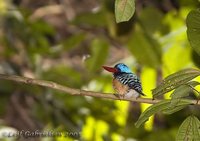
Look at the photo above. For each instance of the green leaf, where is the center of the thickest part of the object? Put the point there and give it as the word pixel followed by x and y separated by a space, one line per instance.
pixel 182 73
pixel 99 49
pixel 142 44
pixel 176 102
pixel 175 109
pixel 182 91
pixel 174 80
pixel 179 92
pixel 179 105
pixel 189 130
pixel 124 10
pixel 151 111
pixel 193 29
pixel 193 83
pixel 158 107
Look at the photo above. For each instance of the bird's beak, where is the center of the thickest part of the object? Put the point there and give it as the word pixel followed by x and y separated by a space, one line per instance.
pixel 110 69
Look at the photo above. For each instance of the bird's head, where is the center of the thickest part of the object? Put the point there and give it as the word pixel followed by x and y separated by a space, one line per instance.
pixel 118 68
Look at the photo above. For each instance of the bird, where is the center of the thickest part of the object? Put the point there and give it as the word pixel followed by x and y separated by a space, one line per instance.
pixel 125 82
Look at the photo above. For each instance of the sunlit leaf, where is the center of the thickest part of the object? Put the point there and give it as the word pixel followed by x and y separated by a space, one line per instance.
pixel 159 107
pixel 193 29
pixel 189 130
pixel 124 10
pixel 174 80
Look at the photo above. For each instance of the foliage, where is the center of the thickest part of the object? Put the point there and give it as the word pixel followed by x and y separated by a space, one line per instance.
pixel 189 130
pixel 67 42
pixel 124 10
pixel 193 29
pixel 163 106
pixel 173 81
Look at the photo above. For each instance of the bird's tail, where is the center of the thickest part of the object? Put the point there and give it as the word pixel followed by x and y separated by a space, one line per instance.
pixel 143 94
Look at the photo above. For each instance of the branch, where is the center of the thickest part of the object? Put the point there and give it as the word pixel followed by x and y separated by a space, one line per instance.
pixel 78 92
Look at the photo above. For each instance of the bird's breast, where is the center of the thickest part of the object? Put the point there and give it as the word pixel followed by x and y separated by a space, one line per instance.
pixel 119 87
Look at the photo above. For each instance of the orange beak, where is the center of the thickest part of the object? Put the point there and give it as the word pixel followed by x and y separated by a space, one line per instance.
pixel 110 69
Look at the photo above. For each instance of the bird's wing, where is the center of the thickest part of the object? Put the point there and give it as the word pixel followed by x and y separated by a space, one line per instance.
pixel 132 81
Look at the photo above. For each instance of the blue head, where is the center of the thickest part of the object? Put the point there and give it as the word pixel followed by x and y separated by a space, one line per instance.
pixel 118 69
pixel 122 68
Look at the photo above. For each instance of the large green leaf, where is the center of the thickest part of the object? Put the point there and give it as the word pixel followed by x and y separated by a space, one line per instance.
pixel 189 130
pixel 193 29
pixel 159 107
pixel 124 10
pixel 174 80
pixel 145 48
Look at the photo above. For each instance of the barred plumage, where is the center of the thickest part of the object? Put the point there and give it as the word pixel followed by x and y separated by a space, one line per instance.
pixel 131 80
pixel 125 82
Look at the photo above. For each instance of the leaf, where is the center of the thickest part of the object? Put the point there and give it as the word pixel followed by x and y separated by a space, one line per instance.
pixel 193 29
pixel 174 80
pixel 193 83
pixel 189 130
pixel 124 10
pixel 182 73
pixel 175 109
pixel 141 44
pixel 158 107
pixel 179 105
pixel 151 111
pixel 99 49
pixel 183 91
pixel 180 92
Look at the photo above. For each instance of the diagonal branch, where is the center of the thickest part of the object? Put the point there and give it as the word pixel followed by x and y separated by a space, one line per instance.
pixel 78 92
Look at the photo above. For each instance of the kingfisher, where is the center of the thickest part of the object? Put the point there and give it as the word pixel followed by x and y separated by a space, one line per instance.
pixel 125 82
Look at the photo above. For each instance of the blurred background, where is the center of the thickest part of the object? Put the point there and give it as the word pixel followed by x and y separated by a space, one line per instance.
pixel 67 41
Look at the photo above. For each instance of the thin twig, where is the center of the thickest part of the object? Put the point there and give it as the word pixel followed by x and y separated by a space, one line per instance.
pixel 78 92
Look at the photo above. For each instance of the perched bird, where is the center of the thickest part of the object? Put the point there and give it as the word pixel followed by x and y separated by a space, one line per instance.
pixel 125 82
